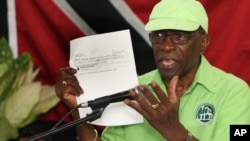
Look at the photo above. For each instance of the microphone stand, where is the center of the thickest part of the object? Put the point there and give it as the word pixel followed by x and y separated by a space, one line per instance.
pixel 97 113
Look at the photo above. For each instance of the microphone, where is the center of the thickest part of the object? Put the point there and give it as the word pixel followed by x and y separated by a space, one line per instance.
pixel 106 100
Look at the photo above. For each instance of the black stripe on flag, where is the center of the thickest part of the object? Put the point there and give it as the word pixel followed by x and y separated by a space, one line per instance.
pixel 3 19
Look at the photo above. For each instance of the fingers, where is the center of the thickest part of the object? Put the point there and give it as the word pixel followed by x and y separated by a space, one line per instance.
pixel 68 82
pixel 144 99
pixel 163 98
pixel 159 107
pixel 147 103
pixel 145 91
pixel 67 87
pixel 159 92
pixel 138 107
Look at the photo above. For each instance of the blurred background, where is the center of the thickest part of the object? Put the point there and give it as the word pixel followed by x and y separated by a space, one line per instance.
pixel 43 29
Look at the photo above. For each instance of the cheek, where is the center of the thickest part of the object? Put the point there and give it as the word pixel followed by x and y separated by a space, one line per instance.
pixel 190 53
pixel 156 49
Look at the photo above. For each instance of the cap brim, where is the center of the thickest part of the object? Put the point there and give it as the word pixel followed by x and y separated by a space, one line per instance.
pixel 173 24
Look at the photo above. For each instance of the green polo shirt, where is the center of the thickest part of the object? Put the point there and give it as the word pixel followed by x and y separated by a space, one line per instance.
pixel 214 101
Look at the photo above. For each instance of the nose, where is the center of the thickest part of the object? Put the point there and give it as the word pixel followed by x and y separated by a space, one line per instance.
pixel 168 45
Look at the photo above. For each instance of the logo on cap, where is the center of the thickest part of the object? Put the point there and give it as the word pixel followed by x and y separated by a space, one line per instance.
pixel 205 113
pixel 172 8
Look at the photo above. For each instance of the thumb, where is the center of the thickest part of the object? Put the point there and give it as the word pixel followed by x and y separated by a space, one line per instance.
pixel 172 89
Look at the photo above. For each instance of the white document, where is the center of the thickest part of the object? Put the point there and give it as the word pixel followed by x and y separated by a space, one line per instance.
pixel 106 66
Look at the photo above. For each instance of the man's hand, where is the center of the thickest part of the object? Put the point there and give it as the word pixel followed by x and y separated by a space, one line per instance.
pixel 67 86
pixel 161 111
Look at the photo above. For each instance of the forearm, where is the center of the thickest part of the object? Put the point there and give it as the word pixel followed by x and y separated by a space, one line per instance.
pixel 85 131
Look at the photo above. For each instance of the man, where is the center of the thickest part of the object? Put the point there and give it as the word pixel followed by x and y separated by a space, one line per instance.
pixel 188 98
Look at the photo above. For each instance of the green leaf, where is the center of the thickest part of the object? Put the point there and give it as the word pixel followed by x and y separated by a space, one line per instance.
pixel 14 72
pixel 48 99
pixel 4 67
pixel 23 64
pixel 6 56
pixel 21 99
pixel 19 105
pixel 30 74
pixel 5 51
pixel 6 83
pixel 7 131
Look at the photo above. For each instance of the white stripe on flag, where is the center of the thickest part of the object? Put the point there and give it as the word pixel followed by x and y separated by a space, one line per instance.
pixel 74 17
pixel 12 27
pixel 131 18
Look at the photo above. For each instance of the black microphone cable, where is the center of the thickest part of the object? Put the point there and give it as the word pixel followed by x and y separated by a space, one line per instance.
pixel 65 116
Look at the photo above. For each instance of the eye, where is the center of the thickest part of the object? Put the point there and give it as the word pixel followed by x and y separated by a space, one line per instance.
pixel 156 37
pixel 157 34
pixel 181 36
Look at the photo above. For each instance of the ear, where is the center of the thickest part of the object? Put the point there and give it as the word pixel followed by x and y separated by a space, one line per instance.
pixel 204 43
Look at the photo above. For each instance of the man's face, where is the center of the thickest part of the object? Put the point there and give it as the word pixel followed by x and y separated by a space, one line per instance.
pixel 177 52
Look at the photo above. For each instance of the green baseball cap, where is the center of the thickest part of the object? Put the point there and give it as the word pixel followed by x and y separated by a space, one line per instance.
pixel 186 15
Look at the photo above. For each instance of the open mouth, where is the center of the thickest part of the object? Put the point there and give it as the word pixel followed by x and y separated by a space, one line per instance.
pixel 168 63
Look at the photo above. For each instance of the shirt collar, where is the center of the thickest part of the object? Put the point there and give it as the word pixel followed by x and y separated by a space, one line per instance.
pixel 203 75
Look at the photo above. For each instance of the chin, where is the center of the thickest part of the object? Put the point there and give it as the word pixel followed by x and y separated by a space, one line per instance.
pixel 167 75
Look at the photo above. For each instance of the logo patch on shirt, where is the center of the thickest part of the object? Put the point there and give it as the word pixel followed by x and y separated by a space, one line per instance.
pixel 205 113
